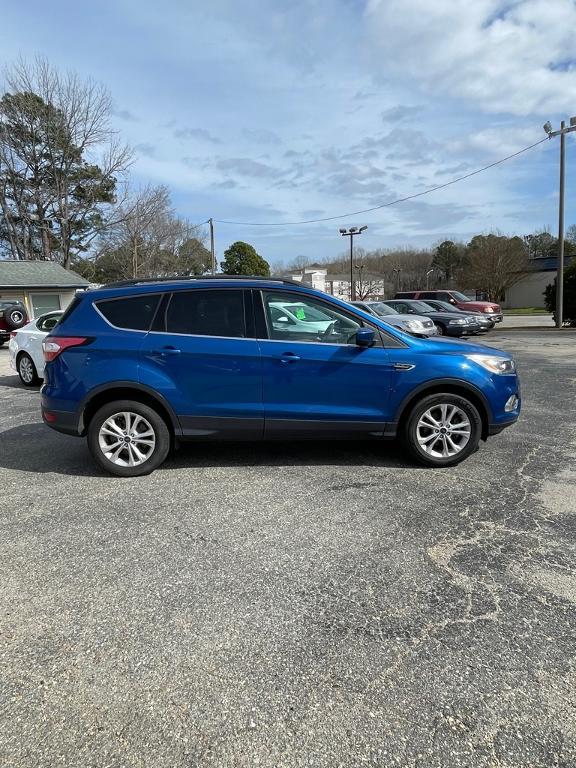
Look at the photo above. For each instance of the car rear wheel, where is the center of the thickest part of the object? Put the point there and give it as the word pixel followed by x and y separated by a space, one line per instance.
pixel 27 370
pixel 128 439
pixel 442 430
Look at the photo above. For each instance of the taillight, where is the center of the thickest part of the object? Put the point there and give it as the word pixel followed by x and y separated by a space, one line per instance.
pixel 13 335
pixel 55 345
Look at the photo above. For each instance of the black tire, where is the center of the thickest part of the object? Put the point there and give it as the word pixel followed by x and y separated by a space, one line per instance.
pixel 1 343
pixel 27 370
pixel 441 329
pixel 15 317
pixel 158 425
pixel 409 434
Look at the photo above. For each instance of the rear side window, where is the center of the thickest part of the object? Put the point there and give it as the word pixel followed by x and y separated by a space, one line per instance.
pixel 207 313
pixel 134 313
pixel 427 295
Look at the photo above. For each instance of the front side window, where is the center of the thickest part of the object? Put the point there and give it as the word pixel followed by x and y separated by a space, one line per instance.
pixel 134 313
pixel 308 319
pixel 205 312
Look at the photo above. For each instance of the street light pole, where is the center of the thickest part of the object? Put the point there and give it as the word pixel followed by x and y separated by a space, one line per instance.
pixel 428 278
pixel 560 275
pixel 211 222
pixel 560 265
pixel 397 273
pixel 350 233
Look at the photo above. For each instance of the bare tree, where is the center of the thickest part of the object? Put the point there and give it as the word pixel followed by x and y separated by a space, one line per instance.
pixel 494 263
pixel 147 239
pixel 59 161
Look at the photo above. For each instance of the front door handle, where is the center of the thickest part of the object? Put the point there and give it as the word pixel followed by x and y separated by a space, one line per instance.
pixel 289 357
pixel 165 351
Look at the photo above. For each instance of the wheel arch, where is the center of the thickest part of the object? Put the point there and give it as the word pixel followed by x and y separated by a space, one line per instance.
pixel 127 390
pixel 446 386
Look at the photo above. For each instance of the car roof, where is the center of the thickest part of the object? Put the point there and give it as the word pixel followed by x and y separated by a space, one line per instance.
pixel 154 285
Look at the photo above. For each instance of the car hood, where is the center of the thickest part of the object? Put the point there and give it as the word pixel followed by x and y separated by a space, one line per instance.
pixel 479 305
pixel 445 345
pixel 404 317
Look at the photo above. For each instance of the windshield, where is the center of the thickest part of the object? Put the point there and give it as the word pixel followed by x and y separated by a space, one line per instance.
pixel 460 296
pixel 445 306
pixel 421 307
pixel 381 309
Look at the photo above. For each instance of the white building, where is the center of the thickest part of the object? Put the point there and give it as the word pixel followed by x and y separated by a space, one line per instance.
pixel 369 287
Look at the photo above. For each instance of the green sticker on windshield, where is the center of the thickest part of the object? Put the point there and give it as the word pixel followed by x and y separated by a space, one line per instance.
pixel 300 313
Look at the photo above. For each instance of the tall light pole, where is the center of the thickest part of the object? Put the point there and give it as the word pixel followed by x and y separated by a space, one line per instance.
pixel 350 233
pixel 212 252
pixel 560 266
pixel 428 278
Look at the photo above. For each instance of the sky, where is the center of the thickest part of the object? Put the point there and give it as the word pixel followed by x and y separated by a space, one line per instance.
pixel 274 112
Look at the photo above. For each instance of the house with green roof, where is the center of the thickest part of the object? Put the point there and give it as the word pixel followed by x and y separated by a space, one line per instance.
pixel 41 285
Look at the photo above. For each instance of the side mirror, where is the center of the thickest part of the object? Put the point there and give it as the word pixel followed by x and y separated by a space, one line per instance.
pixel 365 337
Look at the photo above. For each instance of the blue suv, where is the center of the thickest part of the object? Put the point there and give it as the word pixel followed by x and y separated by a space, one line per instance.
pixel 140 366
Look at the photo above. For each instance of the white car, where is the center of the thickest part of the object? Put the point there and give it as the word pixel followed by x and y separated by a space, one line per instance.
pixel 25 348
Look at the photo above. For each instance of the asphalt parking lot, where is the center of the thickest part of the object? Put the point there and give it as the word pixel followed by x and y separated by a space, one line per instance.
pixel 294 605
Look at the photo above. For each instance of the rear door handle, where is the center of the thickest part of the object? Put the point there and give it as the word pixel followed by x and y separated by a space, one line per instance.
pixel 289 357
pixel 165 351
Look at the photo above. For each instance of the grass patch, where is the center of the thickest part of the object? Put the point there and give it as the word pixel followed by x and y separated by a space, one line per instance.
pixel 525 311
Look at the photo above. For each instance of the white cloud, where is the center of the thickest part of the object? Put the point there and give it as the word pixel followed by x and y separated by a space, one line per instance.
pixel 501 57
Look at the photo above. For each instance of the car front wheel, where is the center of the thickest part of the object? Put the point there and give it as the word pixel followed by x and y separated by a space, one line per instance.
pixel 128 439
pixel 442 430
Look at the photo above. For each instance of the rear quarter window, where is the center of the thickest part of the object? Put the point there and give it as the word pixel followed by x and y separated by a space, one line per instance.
pixel 134 313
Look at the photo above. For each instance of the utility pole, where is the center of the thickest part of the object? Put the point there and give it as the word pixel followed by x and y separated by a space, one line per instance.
pixel 560 266
pixel 350 233
pixel 211 222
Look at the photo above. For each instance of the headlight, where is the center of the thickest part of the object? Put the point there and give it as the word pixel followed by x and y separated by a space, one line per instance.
pixel 488 309
pixel 494 364
pixel 458 321
pixel 414 325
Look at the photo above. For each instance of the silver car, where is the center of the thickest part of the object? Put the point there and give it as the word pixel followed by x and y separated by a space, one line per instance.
pixel 418 325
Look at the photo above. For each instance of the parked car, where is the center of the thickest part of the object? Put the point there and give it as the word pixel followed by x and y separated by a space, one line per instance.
pixel 456 299
pixel 12 316
pixel 26 355
pixel 419 326
pixel 486 322
pixel 447 323
pixel 138 366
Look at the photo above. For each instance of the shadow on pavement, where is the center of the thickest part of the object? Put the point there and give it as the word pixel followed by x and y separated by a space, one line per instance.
pixel 36 448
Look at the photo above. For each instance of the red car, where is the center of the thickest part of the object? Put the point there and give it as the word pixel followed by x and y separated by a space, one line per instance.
pixel 458 300
pixel 12 316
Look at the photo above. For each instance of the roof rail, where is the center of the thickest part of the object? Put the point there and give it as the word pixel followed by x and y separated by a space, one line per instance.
pixel 178 278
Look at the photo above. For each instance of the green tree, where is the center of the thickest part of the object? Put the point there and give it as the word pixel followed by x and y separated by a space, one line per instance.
pixel 569 295
pixel 53 199
pixel 242 259
pixel 448 258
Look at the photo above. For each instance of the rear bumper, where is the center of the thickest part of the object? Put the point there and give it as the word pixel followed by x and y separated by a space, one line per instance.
pixel 67 422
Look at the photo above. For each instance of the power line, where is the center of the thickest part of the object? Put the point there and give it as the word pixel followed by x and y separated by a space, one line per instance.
pixel 384 205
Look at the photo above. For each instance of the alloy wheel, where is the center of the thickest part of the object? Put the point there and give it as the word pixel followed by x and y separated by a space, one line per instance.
pixel 26 369
pixel 127 439
pixel 443 430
